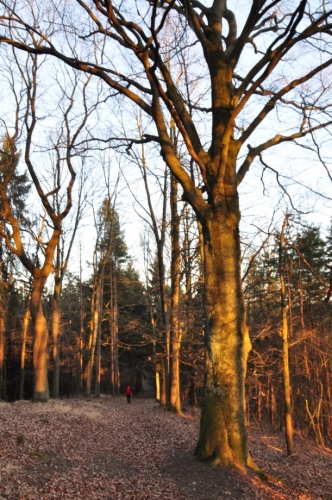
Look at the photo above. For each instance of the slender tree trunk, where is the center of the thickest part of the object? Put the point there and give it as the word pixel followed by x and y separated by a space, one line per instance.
pixel 80 340
pixel 175 399
pixel 164 396
pixel 55 335
pixel 2 354
pixel 94 325
pixel 160 242
pixel 285 351
pixel 2 321
pixel 163 382
pixel 201 248
pixel 272 403
pixel 114 333
pixel 259 401
pixel 157 382
pixel 223 435
pixel 112 342
pixel 98 363
pixel 154 355
pixel 116 336
pixel 40 348
pixel 25 325
pixel 305 350
pixel 98 350
pixel 328 394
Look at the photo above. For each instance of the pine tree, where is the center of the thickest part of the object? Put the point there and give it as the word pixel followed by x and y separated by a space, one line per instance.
pixel 18 189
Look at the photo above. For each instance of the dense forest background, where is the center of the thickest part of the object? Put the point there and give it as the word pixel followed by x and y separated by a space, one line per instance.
pixel 126 346
pixel 209 126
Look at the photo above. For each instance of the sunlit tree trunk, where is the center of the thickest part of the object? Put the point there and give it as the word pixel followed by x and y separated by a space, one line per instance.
pixel 223 435
pixel 114 334
pixel 285 350
pixel 157 366
pixel 164 387
pixel 60 269
pixel 2 352
pixel 157 381
pixel 81 336
pixel 98 347
pixel 40 348
pixel 25 325
pixel 175 400
pixel 56 332
pixel 329 398
pixel 13 237
pixel 98 364
pixel 94 325
pixel 159 231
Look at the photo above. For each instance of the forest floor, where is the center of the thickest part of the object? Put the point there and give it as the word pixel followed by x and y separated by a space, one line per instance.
pixel 108 449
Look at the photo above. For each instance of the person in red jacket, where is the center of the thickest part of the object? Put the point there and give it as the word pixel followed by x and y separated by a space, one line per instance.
pixel 128 393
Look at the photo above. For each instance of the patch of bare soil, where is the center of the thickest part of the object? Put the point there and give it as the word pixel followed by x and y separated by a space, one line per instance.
pixel 108 449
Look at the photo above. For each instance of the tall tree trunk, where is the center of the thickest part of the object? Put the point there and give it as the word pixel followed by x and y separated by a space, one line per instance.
pixel 305 350
pixel 2 354
pixel 2 321
pixel 25 325
pixel 259 400
pixel 98 350
pixel 285 352
pixel 56 333
pixel 175 399
pixel 164 396
pixel 157 381
pixel 40 348
pixel 98 363
pixel 159 231
pixel 223 435
pixel 80 340
pixel 94 325
pixel 114 334
pixel 154 357
pixel 112 342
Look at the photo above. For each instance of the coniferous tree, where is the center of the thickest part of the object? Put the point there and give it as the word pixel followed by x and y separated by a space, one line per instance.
pixel 18 190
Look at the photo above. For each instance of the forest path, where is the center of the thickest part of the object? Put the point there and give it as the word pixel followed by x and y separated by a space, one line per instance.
pixel 108 449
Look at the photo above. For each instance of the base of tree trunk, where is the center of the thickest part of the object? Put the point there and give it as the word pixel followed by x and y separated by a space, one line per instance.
pixel 175 410
pixel 251 466
pixel 40 397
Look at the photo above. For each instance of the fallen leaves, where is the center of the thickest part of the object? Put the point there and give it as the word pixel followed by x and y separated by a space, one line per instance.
pixel 107 449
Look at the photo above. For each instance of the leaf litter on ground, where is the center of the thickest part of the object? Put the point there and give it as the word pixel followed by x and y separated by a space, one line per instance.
pixel 107 449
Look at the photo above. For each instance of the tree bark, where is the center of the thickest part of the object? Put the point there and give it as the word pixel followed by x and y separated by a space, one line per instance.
pixel 285 351
pixel 116 336
pixel 98 350
pixel 175 399
pixel 40 348
pixel 223 435
pixel 2 354
pixel 25 325
pixel 114 333
pixel 55 335
pixel 94 325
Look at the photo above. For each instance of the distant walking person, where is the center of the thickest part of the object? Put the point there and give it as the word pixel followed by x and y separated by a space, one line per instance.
pixel 128 393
